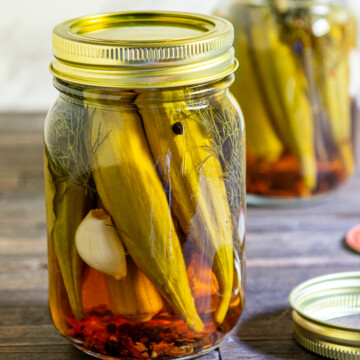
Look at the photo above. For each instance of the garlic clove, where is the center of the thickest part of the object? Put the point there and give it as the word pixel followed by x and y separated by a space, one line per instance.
pixel 99 245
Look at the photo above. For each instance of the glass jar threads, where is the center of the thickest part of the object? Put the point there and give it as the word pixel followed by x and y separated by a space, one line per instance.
pixel 297 89
pixel 145 185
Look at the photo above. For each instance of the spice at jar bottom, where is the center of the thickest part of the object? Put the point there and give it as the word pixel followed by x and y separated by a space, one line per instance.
pixel 145 187
pixel 296 89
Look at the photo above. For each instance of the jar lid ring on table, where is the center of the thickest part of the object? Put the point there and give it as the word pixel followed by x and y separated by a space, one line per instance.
pixel 143 49
pixel 316 303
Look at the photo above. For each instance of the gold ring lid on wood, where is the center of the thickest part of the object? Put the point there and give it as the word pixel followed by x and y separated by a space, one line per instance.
pixel 324 310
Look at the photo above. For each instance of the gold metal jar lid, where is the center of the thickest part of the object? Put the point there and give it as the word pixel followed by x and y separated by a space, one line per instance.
pixel 143 49
pixel 318 304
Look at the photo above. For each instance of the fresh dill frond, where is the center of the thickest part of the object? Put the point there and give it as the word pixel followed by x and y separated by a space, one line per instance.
pixel 68 134
pixel 227 143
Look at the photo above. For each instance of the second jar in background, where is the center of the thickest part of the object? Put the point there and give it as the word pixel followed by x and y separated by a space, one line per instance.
pixel 297 90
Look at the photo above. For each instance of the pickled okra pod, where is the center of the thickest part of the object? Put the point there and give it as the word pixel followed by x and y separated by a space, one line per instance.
pixel 285 91
pixel 68 194
pixel 331 51
pixel 127 183
pixel 57 292
pixel 68 200
pixel 333 80
pixel 327 52
pixel 192 173
pixel 262 140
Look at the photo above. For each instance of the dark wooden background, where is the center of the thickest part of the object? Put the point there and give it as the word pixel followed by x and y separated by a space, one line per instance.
pixel 284 248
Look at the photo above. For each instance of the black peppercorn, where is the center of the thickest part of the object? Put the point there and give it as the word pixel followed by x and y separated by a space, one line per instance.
pixel 178 128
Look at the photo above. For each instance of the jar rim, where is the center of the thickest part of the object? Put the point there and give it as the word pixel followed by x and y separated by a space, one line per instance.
pixel 143 49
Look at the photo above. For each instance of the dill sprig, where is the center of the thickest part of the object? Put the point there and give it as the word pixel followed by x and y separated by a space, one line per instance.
pixel 228 144
pixel 66 145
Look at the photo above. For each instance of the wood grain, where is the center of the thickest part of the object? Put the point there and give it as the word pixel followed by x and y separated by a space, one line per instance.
pixel 284 248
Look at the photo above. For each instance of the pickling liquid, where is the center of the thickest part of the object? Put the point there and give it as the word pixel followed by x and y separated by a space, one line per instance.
pixel 284 178
pixel 102 331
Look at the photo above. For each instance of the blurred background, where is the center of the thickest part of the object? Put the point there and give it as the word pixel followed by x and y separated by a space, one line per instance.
pixel 25 33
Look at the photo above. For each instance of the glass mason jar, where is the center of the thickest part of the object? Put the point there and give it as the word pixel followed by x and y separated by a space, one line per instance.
pixel 145 185
pixel 297 84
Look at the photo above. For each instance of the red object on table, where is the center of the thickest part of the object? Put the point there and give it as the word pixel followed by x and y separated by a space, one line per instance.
pixel 353 238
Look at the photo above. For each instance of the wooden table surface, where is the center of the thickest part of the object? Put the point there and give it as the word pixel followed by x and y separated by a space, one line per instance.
pixel 284 248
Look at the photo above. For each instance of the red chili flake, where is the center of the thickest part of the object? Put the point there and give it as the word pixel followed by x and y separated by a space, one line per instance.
pixel 111 335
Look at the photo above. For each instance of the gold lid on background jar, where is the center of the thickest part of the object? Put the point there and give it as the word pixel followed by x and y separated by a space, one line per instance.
pixel 318 304
pixel 143 49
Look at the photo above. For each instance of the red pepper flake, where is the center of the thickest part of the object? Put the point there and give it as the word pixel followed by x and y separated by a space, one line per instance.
pixel 108 334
